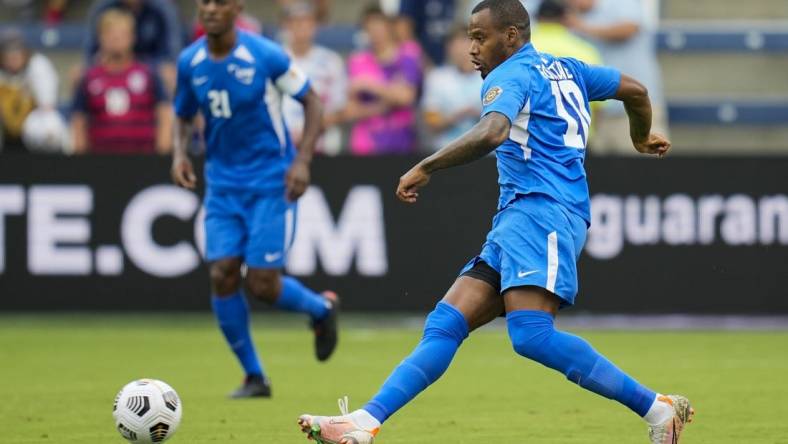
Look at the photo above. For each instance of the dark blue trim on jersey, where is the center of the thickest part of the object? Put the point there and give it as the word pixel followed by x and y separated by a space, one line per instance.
pixel 300 95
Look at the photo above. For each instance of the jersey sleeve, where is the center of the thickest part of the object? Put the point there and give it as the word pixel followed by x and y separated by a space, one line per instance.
pixel 287 77
pixel 506 93
pixel 186 105
pixel 601 82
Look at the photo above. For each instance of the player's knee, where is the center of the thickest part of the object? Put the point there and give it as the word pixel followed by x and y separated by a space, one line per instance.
pixel 264 287
pixel 527 347
pixel 446 321
pixel 225 277
pixel 530 337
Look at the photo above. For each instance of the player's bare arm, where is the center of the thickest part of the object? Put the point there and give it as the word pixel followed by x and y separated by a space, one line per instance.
pixel 479 141
pixel 638 107
pixel 298 176
pixel 182 170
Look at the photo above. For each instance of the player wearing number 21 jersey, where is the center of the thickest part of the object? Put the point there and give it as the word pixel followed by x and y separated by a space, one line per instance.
pixel 254 176
pixel 536 117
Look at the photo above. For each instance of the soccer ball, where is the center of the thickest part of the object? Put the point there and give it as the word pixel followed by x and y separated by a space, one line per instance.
pixel 147 411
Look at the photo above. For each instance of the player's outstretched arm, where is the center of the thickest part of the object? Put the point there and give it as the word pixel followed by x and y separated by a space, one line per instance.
pixel 488 134
pixel 182 170
pixel 298 176
pixel 638 107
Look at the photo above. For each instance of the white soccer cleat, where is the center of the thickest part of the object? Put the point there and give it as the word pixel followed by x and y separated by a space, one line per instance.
pixel 336 429
pixel 669 431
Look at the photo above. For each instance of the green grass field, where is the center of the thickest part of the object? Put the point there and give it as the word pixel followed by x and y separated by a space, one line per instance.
pixel 59 374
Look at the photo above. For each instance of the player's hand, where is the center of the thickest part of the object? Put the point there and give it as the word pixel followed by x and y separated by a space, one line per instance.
pixel 183 173
pixel 297 180
pixel 654 144
pixel 409 184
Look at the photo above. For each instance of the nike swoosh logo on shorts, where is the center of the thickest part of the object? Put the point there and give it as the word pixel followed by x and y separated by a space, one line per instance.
pixel 270 257
pixel 523 274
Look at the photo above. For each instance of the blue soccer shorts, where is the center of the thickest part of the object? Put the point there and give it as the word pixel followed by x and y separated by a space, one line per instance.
pixel 256 227
pixel 535 242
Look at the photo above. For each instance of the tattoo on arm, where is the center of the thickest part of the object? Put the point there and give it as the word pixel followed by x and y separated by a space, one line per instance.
pixel 479 141
pixel 182 133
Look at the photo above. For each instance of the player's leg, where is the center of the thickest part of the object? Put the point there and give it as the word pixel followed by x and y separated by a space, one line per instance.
pixel 469 304
pixel 530 314
pixel 225 235
pixel 286 293
pixel 271 222
pixel 541 258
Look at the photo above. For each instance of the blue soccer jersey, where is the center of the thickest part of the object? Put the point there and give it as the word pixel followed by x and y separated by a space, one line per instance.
pixel 546 99
pixel 240 96
pixel 544 209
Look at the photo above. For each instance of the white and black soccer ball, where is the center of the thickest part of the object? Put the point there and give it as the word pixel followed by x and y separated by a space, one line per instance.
pixel 147 411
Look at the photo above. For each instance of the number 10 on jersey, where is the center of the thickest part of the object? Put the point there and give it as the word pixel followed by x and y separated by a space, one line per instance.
pixel 567 91
pixel 220 103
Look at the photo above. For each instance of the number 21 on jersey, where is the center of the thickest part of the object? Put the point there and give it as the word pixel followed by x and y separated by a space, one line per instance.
pixel 567 92
pixel 220 103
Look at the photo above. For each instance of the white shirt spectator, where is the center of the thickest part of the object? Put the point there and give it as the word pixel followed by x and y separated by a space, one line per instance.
pixel 34 117
pixel 637 56
pixel 326 72
pixel 449 91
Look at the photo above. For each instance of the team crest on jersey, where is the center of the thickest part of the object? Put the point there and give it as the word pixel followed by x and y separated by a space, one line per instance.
pixel 492 95
pixel 137 82
pixel 244 75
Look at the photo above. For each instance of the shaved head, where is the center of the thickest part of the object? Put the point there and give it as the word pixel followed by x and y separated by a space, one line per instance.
pixel 507 13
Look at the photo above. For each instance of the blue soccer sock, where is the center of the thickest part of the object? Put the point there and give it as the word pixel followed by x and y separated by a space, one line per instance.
pixel 232 312
pixel 444 331
pixel 296 297
pixel 534 336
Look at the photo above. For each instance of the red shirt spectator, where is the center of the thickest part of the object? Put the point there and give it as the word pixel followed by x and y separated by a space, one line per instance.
pixel 121 108
pixel 120 105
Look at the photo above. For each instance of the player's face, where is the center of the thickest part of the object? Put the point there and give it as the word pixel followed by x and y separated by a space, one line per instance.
pixel 218 16
pixel 488 47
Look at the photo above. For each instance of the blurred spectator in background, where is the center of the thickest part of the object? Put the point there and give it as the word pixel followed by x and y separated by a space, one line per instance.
pixel 406 39
pixel 326 72
pixel 120 106
pixel 553 37
pixel 618 28
pixel 244 21
pixel 431 22
pixel 322 7
pixel 28 98
pixel 158 37
pixel 384 88
pixel 451 102
pixel 53 11
pixel 20 10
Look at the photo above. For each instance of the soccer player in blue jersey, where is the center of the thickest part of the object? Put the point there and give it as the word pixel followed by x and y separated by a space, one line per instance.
pixel 253 175
pixel 536 117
